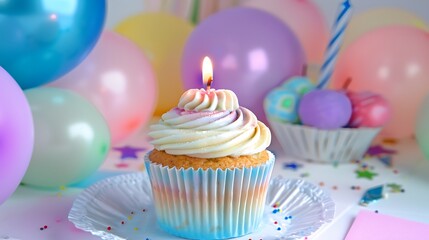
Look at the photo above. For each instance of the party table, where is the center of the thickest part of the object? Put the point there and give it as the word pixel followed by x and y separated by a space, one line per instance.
pixel 33 213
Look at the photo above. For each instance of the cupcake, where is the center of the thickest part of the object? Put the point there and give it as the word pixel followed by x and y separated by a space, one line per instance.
pixel 209 168
pixel 322 125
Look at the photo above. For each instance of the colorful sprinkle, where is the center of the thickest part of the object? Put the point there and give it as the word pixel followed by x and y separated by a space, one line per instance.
pixel 334 187
pixel 395 171
pixel 379 150
pixel 109 228
pixel 130 217
pixel 45 227
pixel 292 166
pixel 136 229
pixel 279 228
pixel 321 184
pixel 144 210
pixel 275 222
pixel 376 211
pixel 132 212
pixel 303 175
pixel 122 222
pixel 41 229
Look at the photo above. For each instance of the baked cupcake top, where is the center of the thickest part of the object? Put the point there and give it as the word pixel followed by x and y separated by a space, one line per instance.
pixel 210 124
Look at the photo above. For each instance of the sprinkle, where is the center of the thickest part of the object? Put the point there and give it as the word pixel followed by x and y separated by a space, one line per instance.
pixel 275 222
pixel 62 188
pixel 353 187
pixel 130 217
pixel 136 229
pixel 122 222
pixel 290 217
pixel 279 228
pixel 365 174
pixel 132 212
pixel 41 229
pixel 303 175
pixel 334 187
pixel 321 184
pixel 395 171
pixel 45 227
pixel 376 211
pixel 109 228
pixel 144 210
pixel 292 166
pixel 391 141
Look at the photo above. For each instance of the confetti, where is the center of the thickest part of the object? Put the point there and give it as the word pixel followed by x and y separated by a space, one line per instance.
pixel 386 160
pixel 128 152
pixel 395 188
pixel 372 195
pixel 391 141
pixel 292 166
pixel 303 175
pixel 379 150
pixel 365 174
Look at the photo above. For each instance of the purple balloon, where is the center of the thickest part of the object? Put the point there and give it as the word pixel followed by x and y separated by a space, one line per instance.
pixel 325 109
pixel 252 52
pixel 16 135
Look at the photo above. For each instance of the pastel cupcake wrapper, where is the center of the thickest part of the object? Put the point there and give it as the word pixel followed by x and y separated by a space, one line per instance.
pixel 326 146
pixel 209 204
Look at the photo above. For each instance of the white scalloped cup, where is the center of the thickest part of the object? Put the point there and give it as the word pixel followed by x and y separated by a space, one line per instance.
pixel 325 146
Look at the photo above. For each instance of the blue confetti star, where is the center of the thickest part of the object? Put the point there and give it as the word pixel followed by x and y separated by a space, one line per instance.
pixel 292 166
pixel 128 152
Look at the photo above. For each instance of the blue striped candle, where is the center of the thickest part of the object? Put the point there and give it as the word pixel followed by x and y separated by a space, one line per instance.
pixel 334 45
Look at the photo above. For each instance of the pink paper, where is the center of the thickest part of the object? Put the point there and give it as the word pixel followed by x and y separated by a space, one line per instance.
pixel 376 226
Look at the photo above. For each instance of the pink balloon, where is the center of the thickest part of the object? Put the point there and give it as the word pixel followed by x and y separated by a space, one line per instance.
pixel 118 79
pixel 16 135
pixel 306 21
pixel 394 62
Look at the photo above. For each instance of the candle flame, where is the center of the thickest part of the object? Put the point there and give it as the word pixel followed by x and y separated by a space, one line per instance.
pixel 207 72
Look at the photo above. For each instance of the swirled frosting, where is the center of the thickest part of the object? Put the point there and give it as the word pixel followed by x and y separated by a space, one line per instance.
pixel 212 100
pixel 207 128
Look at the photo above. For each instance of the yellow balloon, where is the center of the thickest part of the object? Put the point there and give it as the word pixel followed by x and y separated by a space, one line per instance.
pixel 162 38
pixel 380 17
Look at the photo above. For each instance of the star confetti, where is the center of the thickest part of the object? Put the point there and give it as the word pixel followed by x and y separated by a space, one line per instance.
pixel 365 174
pixel 372 195
pixel 128 152
pixel 379 150
pixel 292 166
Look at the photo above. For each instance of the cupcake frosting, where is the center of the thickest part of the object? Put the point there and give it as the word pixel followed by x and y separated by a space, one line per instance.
pixel 210 125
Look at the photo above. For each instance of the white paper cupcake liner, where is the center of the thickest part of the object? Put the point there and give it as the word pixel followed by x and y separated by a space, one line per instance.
pixel 327 146
pixel 209 204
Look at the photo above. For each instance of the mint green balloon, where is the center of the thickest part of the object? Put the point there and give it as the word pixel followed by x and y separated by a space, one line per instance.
pixel 72 138
pixel 422 128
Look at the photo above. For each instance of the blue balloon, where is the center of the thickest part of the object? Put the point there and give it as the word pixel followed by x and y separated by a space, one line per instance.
pixel 41 40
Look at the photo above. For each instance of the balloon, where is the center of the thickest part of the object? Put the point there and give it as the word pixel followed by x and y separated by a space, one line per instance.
pixel 304 18
pixel 394 62
pixel 422 128
pixel 161 37
pixel 71 138
pixel 16 135
pixel 378 18
pixel 42 40
pixel 252 53
pixel 118 79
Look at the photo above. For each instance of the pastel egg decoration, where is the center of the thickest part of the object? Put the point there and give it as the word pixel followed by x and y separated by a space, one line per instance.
pixel 325 109
pixel 299 84
pixel 282 104
pixel 369 110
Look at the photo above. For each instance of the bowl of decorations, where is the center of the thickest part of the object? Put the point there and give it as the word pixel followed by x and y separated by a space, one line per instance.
pixel 324 125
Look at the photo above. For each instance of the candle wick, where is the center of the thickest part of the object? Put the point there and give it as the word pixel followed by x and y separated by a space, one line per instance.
pixel 209 83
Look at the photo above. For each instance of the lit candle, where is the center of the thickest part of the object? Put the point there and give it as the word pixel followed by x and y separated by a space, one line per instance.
pixel 208 99
pixel 207 73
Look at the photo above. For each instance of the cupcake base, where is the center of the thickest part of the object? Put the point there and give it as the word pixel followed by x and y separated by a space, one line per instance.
pixel 209 204
pixel 325 146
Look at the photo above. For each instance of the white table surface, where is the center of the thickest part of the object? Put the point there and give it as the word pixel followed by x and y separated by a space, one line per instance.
pixel 30 209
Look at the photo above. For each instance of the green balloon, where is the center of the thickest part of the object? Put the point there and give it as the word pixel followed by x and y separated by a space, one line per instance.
pixel 422 128
pixel 72 138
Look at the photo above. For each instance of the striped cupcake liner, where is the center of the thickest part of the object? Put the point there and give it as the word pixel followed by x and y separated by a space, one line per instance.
pixel 209 204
